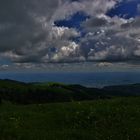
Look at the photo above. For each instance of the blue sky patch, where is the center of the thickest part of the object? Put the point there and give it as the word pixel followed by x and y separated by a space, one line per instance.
pixel 73 22
pixel 125 9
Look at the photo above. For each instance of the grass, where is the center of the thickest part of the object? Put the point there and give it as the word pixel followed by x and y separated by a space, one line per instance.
pixel 115 119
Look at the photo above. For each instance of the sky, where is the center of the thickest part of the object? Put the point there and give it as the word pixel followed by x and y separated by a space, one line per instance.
pixel 45 34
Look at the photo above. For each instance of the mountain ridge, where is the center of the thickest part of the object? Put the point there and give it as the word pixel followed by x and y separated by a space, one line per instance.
pixel 29 93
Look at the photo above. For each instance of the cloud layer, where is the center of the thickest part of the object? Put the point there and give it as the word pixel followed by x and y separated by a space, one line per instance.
pixel 28 33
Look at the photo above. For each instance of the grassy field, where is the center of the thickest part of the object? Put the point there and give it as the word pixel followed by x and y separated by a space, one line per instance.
pixel 115 119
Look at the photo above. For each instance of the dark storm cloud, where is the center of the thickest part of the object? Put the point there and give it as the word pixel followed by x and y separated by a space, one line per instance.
pixel 132 24
pixel 95 22
pixel 28 33
pixel 24 26
pixel 17 26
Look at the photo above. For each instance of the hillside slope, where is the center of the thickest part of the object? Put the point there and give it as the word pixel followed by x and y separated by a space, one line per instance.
pixel 31 93
pixel 114 119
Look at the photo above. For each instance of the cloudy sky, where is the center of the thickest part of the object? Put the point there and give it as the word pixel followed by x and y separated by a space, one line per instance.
pixel 45 33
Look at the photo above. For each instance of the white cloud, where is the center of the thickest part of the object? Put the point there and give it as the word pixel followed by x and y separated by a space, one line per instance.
pixel 90 7
pixel 28 33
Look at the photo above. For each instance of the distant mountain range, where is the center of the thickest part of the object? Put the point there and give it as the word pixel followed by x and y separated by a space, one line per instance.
pixel 28 93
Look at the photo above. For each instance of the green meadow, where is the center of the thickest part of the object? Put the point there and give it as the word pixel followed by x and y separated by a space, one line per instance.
pixel 103 119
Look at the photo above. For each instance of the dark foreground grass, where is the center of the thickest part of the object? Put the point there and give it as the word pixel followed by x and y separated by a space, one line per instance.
pixel 115 119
